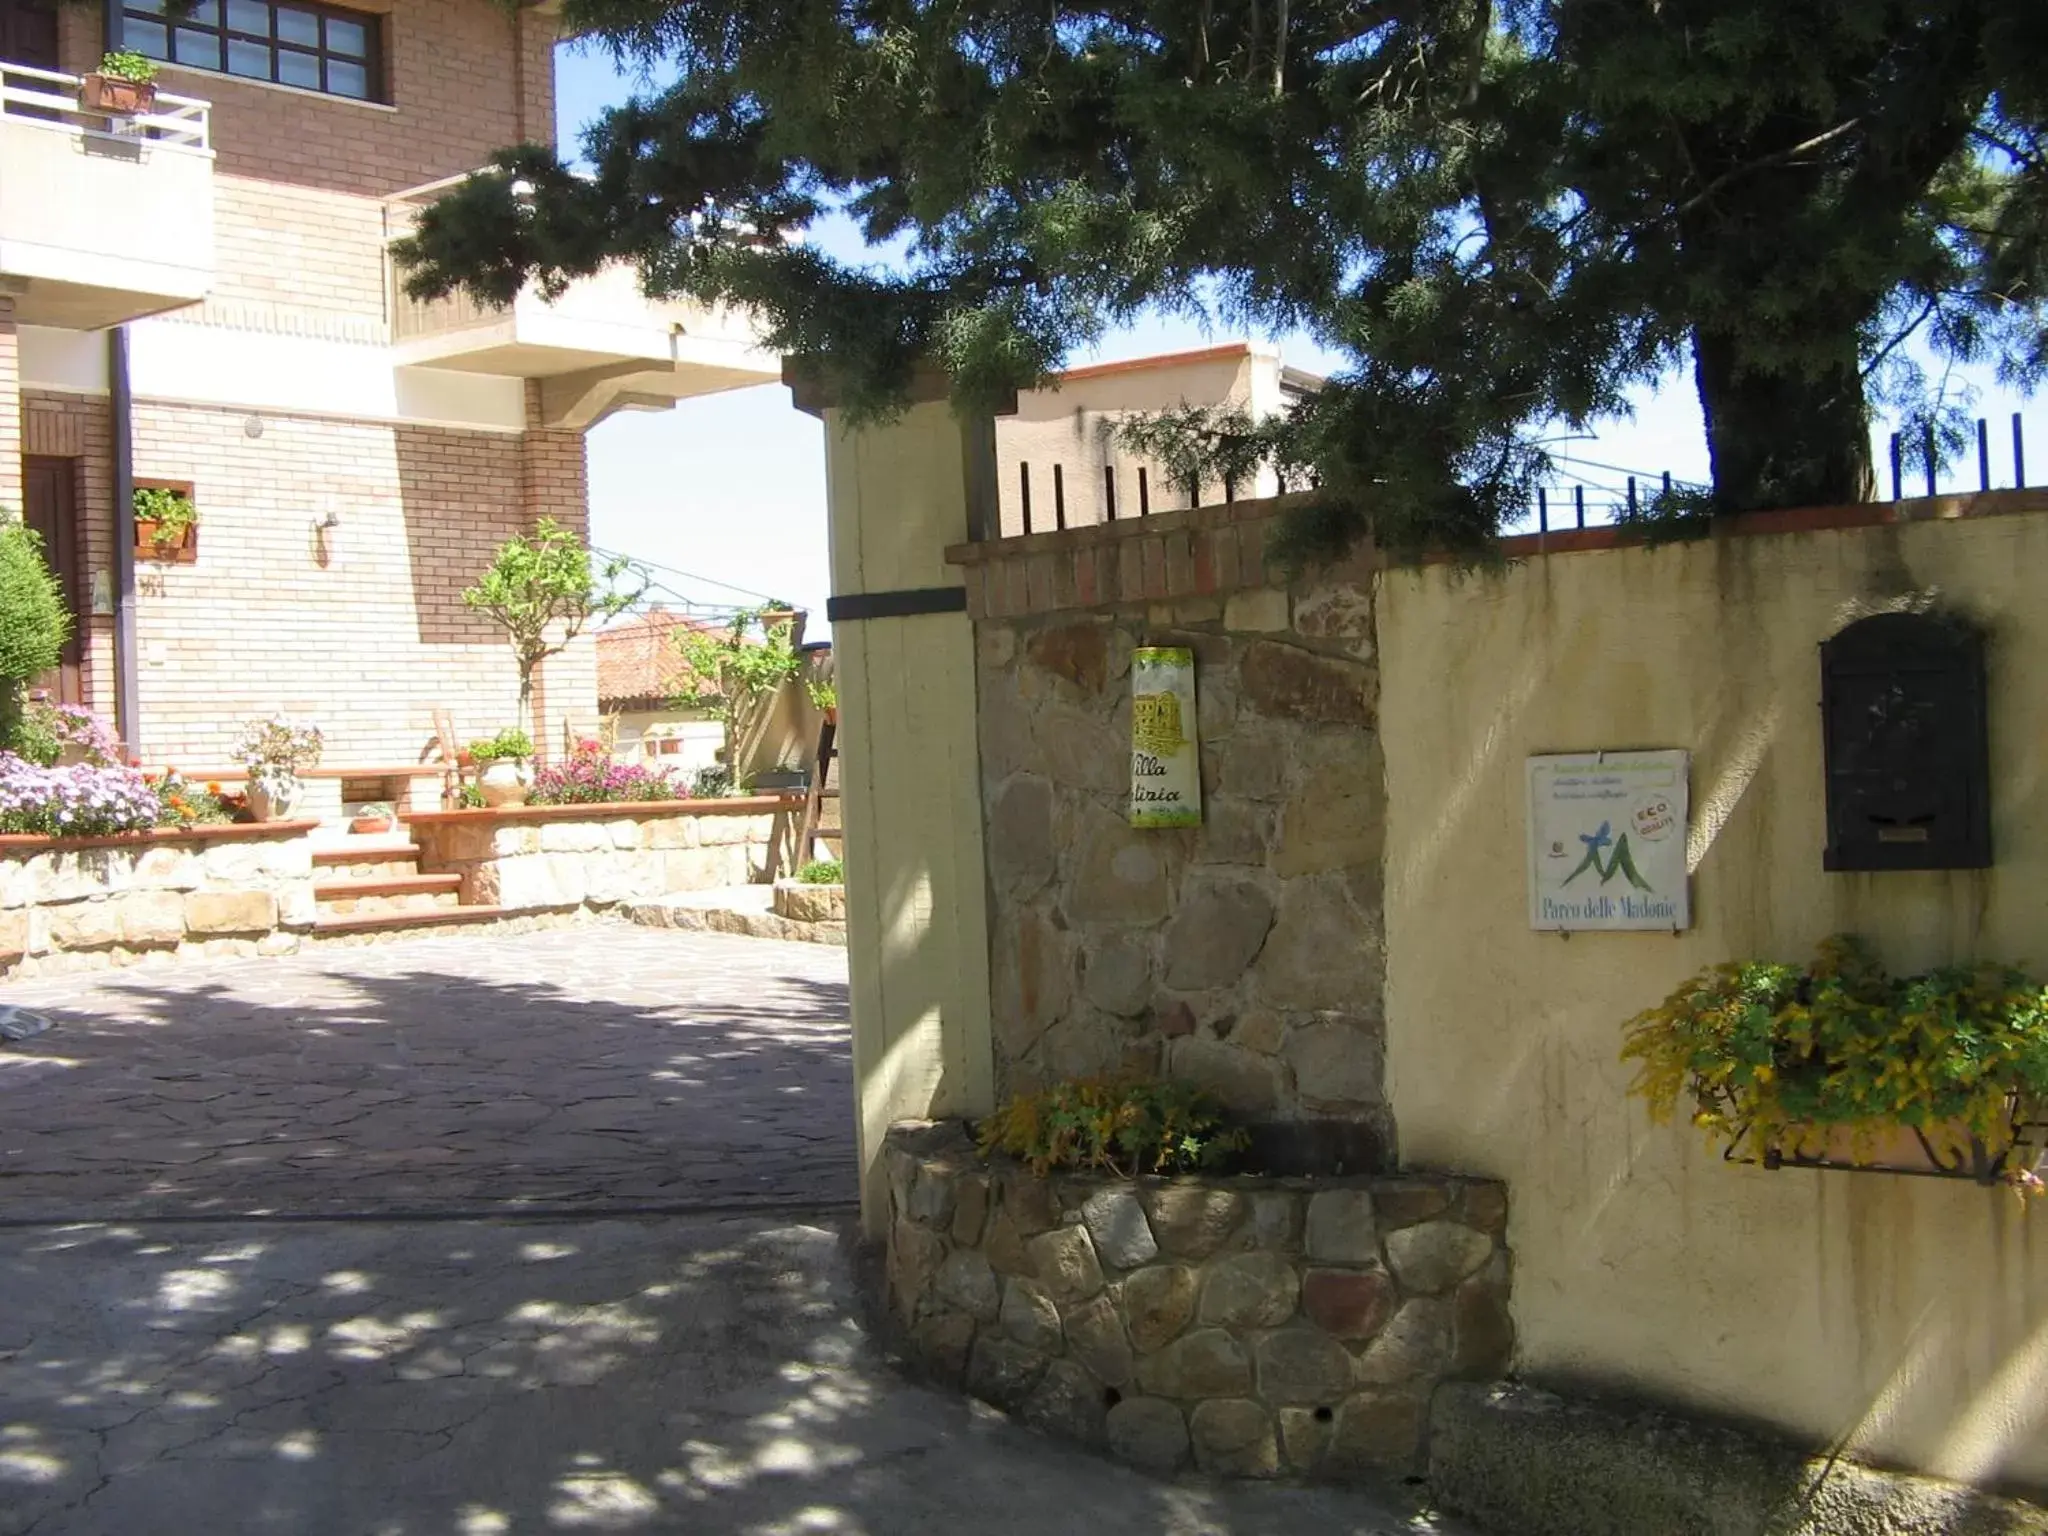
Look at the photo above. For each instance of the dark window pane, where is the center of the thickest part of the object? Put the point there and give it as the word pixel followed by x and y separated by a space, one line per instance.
pixel 298 27
pixel 146 37
pixel 205 13
pixel 348 37
pixel 298 69
pixel 201 49
pixel 252 59
pixel 250 16
pixel 348 79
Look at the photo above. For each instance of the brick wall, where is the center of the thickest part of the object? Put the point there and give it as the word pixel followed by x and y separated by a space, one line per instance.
pixel 368 644
pixel 465 79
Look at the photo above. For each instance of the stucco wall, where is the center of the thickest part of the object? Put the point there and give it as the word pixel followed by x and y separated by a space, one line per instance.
pixel 1906 1319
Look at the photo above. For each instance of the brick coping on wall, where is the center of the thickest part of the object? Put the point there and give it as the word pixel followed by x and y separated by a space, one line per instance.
pixel 1213 551
pixel 236 832
pixel 743 805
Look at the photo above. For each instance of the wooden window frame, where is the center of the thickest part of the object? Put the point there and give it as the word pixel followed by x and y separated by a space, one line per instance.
pixel 371 60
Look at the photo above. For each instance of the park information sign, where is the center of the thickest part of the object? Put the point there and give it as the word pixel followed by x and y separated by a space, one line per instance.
pixel 1166 766
pixel 1607 842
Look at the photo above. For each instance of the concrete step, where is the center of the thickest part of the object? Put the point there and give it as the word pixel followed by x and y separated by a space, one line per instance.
pixel 390 922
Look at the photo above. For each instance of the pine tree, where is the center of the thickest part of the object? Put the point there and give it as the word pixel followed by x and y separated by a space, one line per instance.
pixel 1505 213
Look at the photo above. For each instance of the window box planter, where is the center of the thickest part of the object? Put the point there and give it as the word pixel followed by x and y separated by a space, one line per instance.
pixel 1952 1153
pixel 176 549
pixel 779 779
pixel 116 98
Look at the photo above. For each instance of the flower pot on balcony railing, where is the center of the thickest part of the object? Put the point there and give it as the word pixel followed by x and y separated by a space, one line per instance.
pixel 166 525
pixel 123 86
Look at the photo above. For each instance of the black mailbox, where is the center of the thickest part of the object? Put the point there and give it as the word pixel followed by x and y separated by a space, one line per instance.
pixel 1908 759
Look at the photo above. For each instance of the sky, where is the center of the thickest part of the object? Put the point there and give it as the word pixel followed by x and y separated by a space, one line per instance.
pixel 724 497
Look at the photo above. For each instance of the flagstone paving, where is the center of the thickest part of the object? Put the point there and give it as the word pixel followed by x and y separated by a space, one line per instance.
pixel 604 1067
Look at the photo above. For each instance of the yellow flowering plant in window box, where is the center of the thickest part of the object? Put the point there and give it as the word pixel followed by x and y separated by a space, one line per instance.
pixel 1840 1064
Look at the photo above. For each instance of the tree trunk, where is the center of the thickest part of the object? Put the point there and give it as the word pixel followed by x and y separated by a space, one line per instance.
pixel 525 720
pixel 1783 440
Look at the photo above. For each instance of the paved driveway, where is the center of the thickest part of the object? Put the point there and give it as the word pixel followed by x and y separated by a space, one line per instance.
pixel 605 1068
pixel 675 1349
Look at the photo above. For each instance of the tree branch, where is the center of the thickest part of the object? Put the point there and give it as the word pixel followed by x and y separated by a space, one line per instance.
pixel 1778 157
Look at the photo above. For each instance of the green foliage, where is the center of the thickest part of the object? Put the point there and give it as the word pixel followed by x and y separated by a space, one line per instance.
pixel 543 592
pixel 1195 444
pixel 171 511
pixel 1124 1125
pixel 470 798
pixel 513 745
pixel 822 872
pixel 732 671
pixel 823 693
pixel 34 622
pixel 711 782
pixel 1505 216
pixel 136 68
pixel 1783 1054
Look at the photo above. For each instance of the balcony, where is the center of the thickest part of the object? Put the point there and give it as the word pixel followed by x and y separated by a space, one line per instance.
pixel 603 346
pixel 102 220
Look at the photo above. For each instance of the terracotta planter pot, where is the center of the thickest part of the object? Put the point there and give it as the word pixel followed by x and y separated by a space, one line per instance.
pixel 367 825
pixel 117 98
pixel 504 783
pixel 832 715
pixel 151 545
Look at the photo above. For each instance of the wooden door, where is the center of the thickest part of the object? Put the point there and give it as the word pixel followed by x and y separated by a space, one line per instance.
pixel 51 487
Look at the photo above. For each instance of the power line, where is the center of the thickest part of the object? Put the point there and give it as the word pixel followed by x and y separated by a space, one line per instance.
pixel 709 581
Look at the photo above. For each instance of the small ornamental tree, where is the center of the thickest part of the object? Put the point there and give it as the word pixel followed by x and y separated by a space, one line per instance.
pixel 733 674
pixel 34 622
pixel 543 591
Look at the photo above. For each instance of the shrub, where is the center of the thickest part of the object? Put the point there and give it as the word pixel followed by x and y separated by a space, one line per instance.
pixel 470 798
pixel 1784 1054
pixel 711 783
pixel 823 872
pixel 591 776
pixel 79 801
pixel 34 622
pixel 1127 1126
pixel 514 745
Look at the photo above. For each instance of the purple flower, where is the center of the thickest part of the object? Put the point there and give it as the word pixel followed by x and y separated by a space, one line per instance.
pixel 83 800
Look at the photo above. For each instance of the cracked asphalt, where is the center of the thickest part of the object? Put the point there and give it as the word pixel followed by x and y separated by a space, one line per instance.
pixel 676 1347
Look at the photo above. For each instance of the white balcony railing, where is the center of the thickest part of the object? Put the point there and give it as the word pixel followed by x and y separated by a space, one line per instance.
pixel 104 218
pixel 31 95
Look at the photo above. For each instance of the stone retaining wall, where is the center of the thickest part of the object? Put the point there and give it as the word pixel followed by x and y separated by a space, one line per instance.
pixel 1252 1326
pixel 532 858
pixel 1245 955
pixel 79 903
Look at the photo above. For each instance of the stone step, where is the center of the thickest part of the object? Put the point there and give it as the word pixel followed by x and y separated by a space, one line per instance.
pixel 407 901
pixel 378 861
pixel 410 883
pixel 388 922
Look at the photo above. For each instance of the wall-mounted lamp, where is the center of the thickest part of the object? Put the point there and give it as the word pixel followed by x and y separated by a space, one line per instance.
pixel 327 531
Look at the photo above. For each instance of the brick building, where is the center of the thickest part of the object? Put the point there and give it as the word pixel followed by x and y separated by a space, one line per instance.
pixel 201 298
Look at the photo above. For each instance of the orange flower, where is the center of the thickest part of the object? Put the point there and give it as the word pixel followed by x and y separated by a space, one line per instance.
pixel 213 786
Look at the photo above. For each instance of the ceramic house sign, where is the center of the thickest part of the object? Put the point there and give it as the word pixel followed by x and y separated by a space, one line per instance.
pixel 1607 842
pixel 1166 771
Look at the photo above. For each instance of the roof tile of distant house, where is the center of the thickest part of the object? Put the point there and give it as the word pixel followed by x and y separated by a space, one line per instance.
pixel 638 665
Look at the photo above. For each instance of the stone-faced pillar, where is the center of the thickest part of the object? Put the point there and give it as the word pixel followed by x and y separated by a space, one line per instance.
pixel 910 796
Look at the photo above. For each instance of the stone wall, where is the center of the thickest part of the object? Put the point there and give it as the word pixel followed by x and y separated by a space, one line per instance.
pixel 78 903
pixel 563 856
pixel 1252 1326
pixel 1246 954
